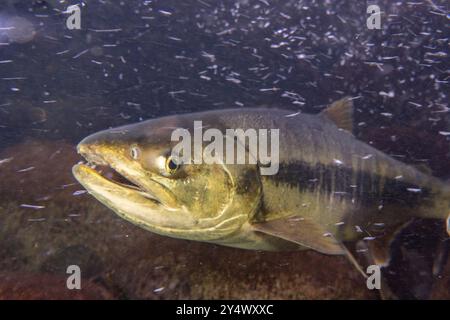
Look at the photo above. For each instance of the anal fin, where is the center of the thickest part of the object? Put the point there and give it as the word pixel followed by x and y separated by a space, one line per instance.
pixel 380 247
pixel 416 254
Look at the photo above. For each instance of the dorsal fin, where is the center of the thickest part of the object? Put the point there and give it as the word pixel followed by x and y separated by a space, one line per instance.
pixel 341 113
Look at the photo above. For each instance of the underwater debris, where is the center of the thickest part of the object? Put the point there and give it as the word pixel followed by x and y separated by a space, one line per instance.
pixel 31 206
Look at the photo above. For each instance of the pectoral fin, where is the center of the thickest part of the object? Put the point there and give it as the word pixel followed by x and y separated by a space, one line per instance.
pixel 308 234
pixel 302 232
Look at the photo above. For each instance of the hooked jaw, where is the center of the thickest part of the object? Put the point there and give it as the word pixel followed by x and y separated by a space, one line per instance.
pixel 137 196
pixel 119 183
pixel 115 189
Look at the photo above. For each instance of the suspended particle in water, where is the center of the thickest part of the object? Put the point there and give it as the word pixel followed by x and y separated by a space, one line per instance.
pixel 20 30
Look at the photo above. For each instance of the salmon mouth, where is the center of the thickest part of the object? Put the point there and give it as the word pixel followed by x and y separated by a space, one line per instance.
pixel 92 176
pixel 111 175
pixel 98 172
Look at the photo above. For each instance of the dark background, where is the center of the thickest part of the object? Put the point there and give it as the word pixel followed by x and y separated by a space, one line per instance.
pixel 168 57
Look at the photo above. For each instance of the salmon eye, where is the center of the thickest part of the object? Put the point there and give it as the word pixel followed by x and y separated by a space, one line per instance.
pixel 135 152
pixel 171 165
